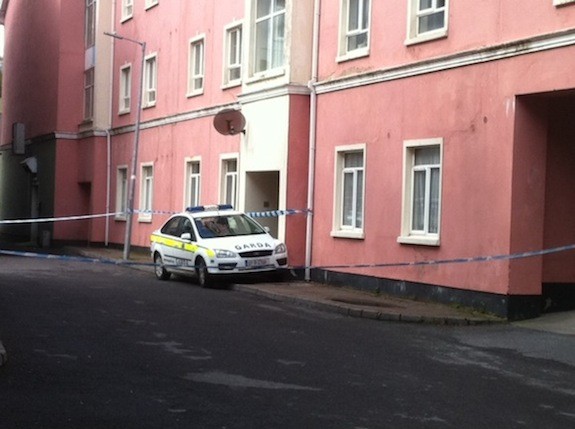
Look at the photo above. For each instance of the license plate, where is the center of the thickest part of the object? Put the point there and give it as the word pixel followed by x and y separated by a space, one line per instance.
pixel 255 263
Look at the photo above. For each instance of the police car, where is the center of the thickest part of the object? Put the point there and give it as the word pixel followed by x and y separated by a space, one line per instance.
pixel 210 241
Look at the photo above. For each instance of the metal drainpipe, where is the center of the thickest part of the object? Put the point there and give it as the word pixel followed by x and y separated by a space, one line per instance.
pixel 109 132
pixel 312 140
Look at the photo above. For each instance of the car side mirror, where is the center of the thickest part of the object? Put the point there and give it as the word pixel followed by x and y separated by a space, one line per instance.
pixel 186 236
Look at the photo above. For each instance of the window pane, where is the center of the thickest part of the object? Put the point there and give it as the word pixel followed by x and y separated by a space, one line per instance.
pixel 353 14
pixel 264 8
pixel 418 215
pixel 353 159
pixel 262 32
pixel 347 212
pixel 434 202
pixel 359 200
pixel 279 5
pixel 427 156
pixel 425 4
pixel 431 22
pixel 278 42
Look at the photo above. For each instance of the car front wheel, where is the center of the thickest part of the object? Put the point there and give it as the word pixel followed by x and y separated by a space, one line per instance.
pixel 202 273
pixel 159 269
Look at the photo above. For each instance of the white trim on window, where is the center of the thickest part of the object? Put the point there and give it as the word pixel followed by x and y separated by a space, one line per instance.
pixel 150 80
pixel 422 183
pixel 232 70
pixel 121 192
pixel 354 29
pixel 562 2
pixel 192 187
pixel 146 192
pixel 229 173
pixel 426 20
pixel 349 192
pixel 151 3
pixel 127 10
pixel 196 65
pixel 269 26
pixel 125 93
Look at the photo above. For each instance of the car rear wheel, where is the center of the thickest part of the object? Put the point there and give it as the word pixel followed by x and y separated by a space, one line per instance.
pixel 202 273
pixel 159 269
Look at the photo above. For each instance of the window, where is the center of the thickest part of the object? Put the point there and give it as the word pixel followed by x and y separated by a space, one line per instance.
pixel 354 30
pixel 422 192
pixel 121 192
pixel 146 193
pixel 127 9
pixel 192 197
pixel 233 56
pixel 229 184
pixel 196 67
pixel 89 94
pixel 349 192
pixel 90 30
pixel 150 81
pixel 125 89
pixel 427 20
pixel 269 34
pixel 151 3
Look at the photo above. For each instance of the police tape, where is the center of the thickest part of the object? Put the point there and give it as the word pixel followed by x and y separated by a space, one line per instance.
pixel 272 213
pixel 491 258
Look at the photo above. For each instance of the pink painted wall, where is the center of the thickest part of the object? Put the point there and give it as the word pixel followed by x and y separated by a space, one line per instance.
pixel 36 91
pixel 472 25
pixel 488 154
pixel 297 172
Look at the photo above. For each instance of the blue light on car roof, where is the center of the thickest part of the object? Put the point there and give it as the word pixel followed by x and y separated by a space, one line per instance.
pixel 197 209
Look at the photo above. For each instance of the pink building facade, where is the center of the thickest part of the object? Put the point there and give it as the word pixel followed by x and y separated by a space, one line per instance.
pixel 427 137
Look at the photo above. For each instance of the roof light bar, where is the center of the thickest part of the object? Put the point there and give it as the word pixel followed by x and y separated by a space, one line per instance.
pixel 197 209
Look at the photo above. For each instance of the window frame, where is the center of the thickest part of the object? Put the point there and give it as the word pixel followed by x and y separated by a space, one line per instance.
pixel 125 89
pixel 346 54
pixel 226 173
pixel 270 40
pixel 194 180
pixel 121 192
pixel 194 74
pixel 90 24
pixel 413 17
pixel 228 65
pixel 338 228
pixel 408 234
pixel 150 82
pixel 146 202
pixel 150 4
pixel 127 10
pixel 89 93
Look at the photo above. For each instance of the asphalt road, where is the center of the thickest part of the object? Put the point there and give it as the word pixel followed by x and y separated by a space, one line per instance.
pixel 100 346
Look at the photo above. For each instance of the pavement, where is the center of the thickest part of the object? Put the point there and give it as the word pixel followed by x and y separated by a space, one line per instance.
pixel 345 300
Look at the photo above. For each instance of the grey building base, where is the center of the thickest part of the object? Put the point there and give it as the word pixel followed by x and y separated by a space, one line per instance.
pixel 510 307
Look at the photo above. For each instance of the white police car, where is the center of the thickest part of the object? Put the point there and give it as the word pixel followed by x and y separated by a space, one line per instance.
pixel 207 241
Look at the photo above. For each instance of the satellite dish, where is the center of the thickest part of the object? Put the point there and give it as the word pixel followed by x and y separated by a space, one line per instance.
pixel 229 122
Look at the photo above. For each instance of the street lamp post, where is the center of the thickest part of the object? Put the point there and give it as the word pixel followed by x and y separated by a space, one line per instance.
pixel 132 185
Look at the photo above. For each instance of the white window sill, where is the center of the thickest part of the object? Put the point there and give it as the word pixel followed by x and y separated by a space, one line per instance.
pixel 420 240
pixel 232 84
pixel 352 55
pixel 145 219
pixel 426 37
pixel 353 234
pixel 121 218
pixel 267 74
pixel 562 2
pixel 195 93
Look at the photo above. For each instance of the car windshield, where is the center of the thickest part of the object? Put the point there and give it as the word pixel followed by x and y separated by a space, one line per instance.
pixel 227 226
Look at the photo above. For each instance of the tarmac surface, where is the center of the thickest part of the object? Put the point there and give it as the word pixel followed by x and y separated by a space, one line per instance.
pixel 342 300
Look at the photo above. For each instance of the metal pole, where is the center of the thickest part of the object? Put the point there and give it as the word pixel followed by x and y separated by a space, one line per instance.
pixel 132 184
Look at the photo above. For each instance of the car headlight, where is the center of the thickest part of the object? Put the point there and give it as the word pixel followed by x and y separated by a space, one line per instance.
pixel 222 253
pixel 280 248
